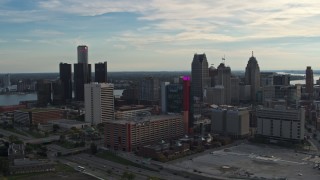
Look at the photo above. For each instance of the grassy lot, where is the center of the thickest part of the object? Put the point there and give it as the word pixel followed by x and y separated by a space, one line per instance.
pixel 117 159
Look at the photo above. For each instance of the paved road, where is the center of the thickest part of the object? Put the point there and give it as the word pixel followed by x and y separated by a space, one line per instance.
pixel 9 133
pixel 105 165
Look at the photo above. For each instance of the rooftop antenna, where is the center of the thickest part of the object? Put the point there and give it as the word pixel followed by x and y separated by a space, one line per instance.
pixel 224 59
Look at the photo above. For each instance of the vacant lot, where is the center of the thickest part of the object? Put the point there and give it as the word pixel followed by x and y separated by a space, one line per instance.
pixel 255 161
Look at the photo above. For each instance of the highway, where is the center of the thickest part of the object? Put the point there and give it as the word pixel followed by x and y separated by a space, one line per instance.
pixel 119 169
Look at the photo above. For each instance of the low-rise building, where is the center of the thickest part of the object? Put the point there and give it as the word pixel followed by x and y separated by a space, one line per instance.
pixel 37 116
pixel 129 112
pixel 231 121
pixel 281 123
pixel 68 124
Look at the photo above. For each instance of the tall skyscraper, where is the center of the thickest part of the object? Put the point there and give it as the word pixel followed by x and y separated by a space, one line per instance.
pixel 99 103
pixel 82 54
pixel 66 80
pixel 199 75
pixel 82 73
pixel 213 73
pixel 186 103
pixel 43 93
pixel 224 79
pixel 164 93
pixel 100 72
pixel 150 90
pixel 252 76
pixel 309 81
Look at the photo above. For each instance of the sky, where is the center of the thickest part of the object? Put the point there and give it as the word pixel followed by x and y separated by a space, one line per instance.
pixel 159 35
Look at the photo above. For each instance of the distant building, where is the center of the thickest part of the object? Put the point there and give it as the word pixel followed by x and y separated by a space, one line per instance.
pixel 281 79
pixel 82 76
pixel 6 82
pixel 99 103
pixel 309 81
pixel 82 73
pixel 245 91
pixel 252 76
pixel 66 80
pixel 281 123
pixel 174 98
pixel 235 90
pixel 100 72
pixel 44 93
pixel 68 124
pixel 224 79
pixel 266 78
pixel 231 121
pixel 36 116
pixel 130 135
pixel 164 93
pixel 149 90
pixel 82 51
pixel 213 74
pixel 58 97
pixel 215 95
pixel 199 75
pixel 186 103
pixel 131 94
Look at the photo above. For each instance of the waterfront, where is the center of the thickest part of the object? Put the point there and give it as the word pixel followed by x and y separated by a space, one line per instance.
pixel 14 99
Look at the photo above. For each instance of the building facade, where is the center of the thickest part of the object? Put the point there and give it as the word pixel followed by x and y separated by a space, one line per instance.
pixel 309 81
pixel 99 103
pixel 280 123
pixel 66 80
pixel 199 75
pixel 224 79
pixel 44 93
pixel 231 121
pixel 252 76
pixel 100 72
pixel 149 90
pixel 130 135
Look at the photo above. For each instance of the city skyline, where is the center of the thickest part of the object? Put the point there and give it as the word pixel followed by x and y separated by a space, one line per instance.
pixel 158 35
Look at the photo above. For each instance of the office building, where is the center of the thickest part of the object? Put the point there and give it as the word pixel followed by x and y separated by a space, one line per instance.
pixel 245 91
pixel 82 76
pixel 309 81
pixel 99 103
pixel 6 81
pixel 281 79
pixel 235 90
pixel 23 118
pixel 186 103
pixel 231 121
pixel 149 91
pixel 82 54
pixel 82 73
pixel 174 98
pixel 215 95
pixel 252 76
pixel 130 135
pixel 199 75
pixel 66 80
pixel 281 123
pixel 164 96
pixel 100 72
pixel 58 93
pixel 213 73
pixel 266 78
pixel 44 93
pixel 224 79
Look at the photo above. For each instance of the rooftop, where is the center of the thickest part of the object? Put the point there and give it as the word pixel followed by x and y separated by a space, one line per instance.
pixel 143 119
pixel 68 121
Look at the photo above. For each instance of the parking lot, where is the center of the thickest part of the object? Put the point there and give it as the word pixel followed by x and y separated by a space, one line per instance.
pixel 255 161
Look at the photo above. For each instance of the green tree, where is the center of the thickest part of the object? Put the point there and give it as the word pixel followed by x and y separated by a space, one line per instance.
pixel 55 127
pixel 93 148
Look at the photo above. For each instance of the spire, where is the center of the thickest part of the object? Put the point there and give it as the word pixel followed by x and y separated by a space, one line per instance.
pixel 252 53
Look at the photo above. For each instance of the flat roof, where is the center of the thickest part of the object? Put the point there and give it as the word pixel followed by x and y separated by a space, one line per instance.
pixel 68 121
pixel 39 109
pixel 138 119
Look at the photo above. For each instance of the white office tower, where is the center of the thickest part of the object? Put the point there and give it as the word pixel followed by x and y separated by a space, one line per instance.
pixel 99 102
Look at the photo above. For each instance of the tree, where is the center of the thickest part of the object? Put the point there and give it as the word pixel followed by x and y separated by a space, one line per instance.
pixel 55 127
pixel 62 138
pixel 93 148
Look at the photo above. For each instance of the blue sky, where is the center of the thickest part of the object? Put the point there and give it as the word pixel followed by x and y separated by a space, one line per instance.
pixel 151 35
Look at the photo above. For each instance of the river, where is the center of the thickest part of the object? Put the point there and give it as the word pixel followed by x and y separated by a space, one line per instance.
pixel 14 99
